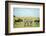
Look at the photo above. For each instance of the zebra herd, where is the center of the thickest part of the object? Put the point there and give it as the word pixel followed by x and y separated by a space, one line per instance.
pixel 27 22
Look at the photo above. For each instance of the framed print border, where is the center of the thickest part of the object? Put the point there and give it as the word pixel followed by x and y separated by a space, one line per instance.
pixel 6 18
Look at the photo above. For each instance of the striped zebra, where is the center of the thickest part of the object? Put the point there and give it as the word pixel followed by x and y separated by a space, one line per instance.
pixel 27 22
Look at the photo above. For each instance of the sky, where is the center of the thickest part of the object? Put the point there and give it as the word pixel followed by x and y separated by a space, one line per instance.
pixel 26 12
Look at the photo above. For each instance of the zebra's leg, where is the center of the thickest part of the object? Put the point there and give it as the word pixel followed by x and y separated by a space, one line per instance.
pixel 30 24
pixel 27 23
pixel 24 24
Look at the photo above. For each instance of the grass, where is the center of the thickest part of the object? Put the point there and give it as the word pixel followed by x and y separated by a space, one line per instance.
pixel 23 24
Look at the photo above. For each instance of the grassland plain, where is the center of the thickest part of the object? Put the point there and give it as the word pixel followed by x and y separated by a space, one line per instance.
pixel 22 22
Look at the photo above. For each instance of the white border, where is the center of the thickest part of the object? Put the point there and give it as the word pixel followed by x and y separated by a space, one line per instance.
pixel 13 30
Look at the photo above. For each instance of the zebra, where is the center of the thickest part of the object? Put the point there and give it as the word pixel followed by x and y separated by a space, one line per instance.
pixel 28 22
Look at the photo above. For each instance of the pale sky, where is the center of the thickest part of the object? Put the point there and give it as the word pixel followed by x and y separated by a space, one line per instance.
pixel 26 12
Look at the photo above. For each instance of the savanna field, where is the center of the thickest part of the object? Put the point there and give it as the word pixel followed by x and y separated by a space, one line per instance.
pixel 21 22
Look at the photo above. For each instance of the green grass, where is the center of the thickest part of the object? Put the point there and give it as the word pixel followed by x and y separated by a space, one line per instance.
pixel 22 24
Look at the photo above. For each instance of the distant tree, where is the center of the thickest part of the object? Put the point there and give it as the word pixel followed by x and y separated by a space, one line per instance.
pixel 14 16
pixel 36 21
pixel 19 20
